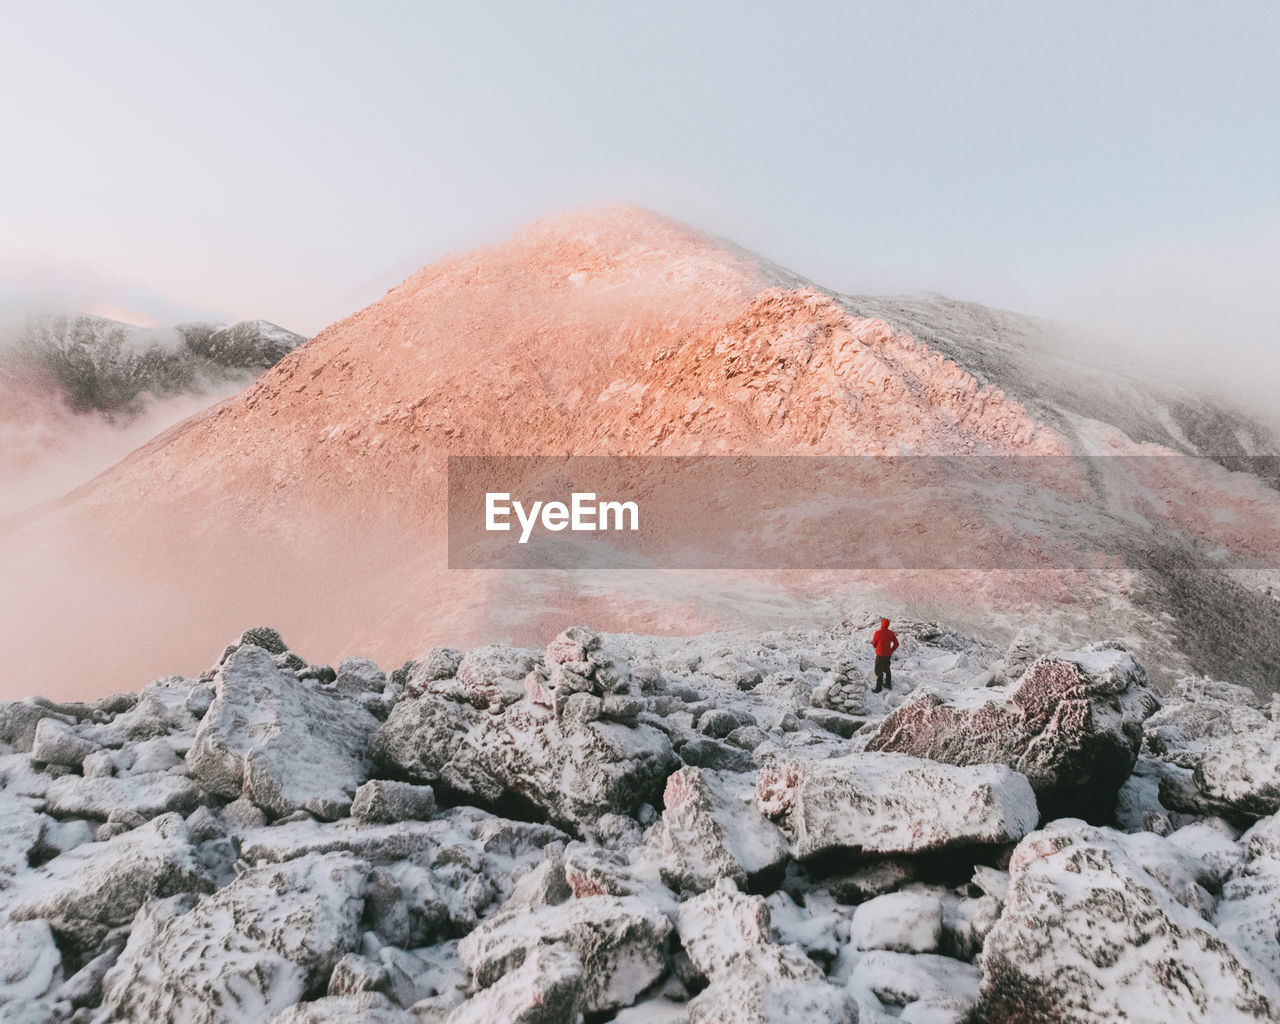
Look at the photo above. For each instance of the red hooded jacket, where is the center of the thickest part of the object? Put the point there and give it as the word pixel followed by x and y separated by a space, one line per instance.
pixel 885 640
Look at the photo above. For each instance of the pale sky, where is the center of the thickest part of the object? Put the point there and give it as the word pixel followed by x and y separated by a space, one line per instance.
pixel 293 160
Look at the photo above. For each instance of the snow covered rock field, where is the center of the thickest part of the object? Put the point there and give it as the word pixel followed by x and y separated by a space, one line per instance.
pixel 648 830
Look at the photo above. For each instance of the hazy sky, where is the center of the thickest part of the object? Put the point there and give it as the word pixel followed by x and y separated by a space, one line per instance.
pixel 293 160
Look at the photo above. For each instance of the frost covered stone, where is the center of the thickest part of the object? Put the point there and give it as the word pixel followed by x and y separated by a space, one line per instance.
pixel 30 970
pixel 55 742
pixel 1088 935
pixel 146 795
pixel 573 771
pixel 546 989
pixel 906 922
pixel 896 804
pixel 752 980
pixel 99 886
pixel 247 952
pixel 281 742
pixel 620 941
pixel 1072 725
pixel 19 836
pixel 381 800
pixel 711 829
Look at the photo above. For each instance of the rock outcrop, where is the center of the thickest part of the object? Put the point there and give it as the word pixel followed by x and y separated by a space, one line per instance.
pixel 281 742
pixel 887 804
pixel 1072 725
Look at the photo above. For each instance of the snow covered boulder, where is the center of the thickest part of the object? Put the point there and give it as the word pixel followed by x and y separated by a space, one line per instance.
pixel 381 800
pixel 546 989
pixel 931 989
pixel 896 804
pixel 245 953
pixel 99 886
pixel 1072 725
pixel 1242 770
pixel 55 742
pixel 146 795
pixel 905 922
pixel 620 941
pixel 30 972
pixel 1090 936
pixel 282 742
pixel 19 835
pixel 712 829
pixel 572 771
pixel 359 1008
pixel 753 980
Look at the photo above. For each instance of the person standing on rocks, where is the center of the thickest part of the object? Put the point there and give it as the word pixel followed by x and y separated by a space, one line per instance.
pixel 885 642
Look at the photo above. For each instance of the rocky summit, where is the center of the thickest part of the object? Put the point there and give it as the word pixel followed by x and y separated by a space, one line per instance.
pixel 721 829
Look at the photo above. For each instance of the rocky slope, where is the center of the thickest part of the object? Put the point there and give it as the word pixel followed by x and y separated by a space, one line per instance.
pixel 316 499
pixel 645 829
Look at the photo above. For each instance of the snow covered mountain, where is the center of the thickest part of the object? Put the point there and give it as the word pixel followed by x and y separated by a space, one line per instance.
pixel 316 499
pixel 78 393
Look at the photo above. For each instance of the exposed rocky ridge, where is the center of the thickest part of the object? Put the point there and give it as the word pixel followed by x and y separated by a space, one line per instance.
pixel 566 862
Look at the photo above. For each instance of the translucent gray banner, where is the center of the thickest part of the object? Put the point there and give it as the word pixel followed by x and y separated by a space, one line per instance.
pixel 866 512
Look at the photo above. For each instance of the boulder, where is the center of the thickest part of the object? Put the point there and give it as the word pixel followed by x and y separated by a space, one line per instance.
pixel 55 742
pixel 146 795
pixel 572 771
pixel 620 941
pixel 1072 725
pixel 20 718
pixel 1242 770
pixel 712 829
pixel 930 989
pixel 30 968
pixel 886 804
pixel 245 953
pixel 360 1008
pixel 19 837
pixel 752 980
pixel 381 800
pixel 546 989
pixel 93 888
pixel 904 922
pixel 1090 936
pixel 284 743
pixel 1248 915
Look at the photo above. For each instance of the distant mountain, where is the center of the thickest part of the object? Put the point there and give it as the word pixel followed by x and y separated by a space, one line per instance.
pixel 108 366
pixel 316 499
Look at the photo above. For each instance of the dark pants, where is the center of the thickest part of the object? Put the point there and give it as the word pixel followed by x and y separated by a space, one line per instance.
pixel 884 674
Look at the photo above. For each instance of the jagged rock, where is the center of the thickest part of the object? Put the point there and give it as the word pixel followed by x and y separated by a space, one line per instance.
pixel 931 989
pixel 1263 839
pixel 355 973
pixel 751 979
pixel 905 922
pixel 381 800
pixel 1248 915
pixel 572 771
pixel 896 804
pixel 285 745
pixel 545 885
pixel 546 989
pixel 243 814
pixel 246 952
pixel 1088 935
pixel 715 755
pixel 361 1008
pixel 99 886
pixel 20 718
pixel 489 676
pixel 146 795
pixel 20 836
pixel 55 742
pixel 30 971
pixel 1072 725
pixel 838 722
pixel 84 988
pixel 1201 712
pixel 620 941
pixel 711 829
pixel 1242 771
